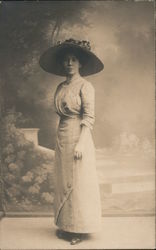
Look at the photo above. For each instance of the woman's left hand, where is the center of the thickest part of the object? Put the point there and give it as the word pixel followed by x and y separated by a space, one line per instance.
pixel 78 152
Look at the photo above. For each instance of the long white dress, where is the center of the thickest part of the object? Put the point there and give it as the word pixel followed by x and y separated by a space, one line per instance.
pixel 77 205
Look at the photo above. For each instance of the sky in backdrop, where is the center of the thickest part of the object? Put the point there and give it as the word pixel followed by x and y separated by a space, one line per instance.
pixel 122 35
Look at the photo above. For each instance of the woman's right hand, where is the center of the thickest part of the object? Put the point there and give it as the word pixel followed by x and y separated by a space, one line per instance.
pixel 78 152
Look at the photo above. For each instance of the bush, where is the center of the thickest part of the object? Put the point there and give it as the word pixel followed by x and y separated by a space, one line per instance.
pixel 27 172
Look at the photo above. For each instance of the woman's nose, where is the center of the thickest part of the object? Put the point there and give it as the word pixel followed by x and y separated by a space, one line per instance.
pixel 69 61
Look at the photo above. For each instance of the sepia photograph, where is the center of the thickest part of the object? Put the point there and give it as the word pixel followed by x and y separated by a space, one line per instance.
pixel 77 124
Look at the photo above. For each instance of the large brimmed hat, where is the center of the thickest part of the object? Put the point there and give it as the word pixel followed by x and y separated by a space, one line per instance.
pixel 51 60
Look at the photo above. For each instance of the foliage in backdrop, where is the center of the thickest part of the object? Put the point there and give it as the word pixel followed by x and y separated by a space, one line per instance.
pixel 27 172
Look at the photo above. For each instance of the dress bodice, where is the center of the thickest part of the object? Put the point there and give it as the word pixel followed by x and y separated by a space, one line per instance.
pixel 76 98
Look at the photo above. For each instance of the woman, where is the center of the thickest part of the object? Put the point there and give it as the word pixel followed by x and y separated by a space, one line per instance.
pixel 77 200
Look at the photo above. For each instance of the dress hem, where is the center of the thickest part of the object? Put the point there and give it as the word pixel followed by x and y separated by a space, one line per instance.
pixel 79 231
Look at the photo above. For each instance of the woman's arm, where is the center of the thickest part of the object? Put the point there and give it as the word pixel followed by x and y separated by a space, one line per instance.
pixel 87 99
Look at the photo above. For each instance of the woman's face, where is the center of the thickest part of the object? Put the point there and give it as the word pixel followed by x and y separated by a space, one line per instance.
pixel 71 64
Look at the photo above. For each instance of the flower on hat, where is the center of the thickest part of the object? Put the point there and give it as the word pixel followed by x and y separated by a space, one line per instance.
pixel 85 44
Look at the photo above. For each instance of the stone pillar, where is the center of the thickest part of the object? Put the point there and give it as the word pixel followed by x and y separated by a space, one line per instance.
pixel 31 134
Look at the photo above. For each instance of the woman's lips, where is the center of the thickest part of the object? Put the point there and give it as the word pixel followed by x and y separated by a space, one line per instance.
pixel 70 68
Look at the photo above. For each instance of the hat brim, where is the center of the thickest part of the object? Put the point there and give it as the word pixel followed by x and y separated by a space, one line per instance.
pixel 50 63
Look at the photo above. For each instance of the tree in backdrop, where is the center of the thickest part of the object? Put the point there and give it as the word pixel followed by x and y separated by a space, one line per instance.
pixel 27 28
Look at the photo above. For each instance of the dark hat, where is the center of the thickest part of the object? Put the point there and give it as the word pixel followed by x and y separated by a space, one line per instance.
pixel 51 59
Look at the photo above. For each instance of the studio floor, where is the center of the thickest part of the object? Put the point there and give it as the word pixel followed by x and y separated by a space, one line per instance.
pixel 40 233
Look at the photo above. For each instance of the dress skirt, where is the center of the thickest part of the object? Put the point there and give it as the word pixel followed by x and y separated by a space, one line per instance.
pixel 77 198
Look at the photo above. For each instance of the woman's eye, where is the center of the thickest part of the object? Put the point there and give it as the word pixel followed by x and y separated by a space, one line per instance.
pixel 70 59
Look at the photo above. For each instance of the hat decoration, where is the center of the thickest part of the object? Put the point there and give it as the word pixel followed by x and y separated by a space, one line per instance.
pixel 83 43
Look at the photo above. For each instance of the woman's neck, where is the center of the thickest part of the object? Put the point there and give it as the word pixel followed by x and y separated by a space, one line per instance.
pixel 70 78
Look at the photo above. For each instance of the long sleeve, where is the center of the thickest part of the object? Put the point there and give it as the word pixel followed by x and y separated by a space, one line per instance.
pixel 88 102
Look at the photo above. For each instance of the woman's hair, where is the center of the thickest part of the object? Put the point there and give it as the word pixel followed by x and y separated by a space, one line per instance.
pixel 78 54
